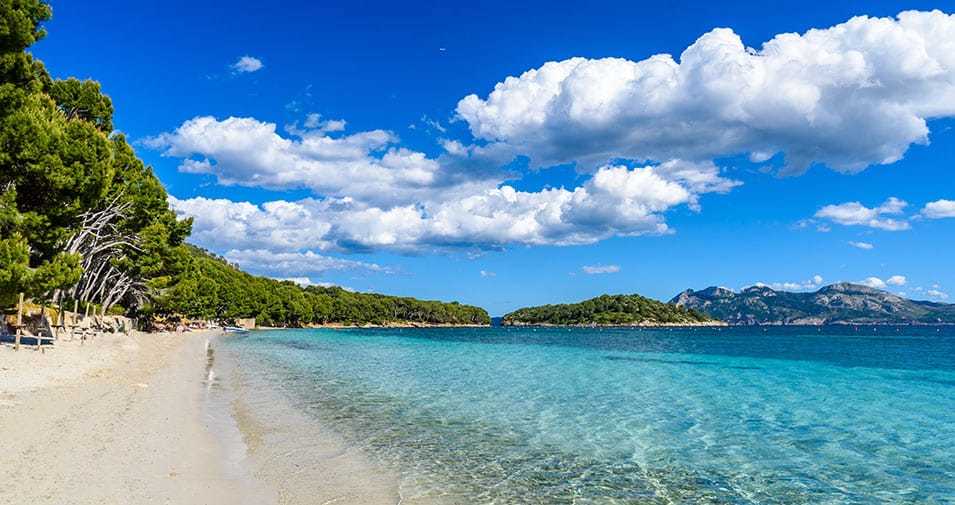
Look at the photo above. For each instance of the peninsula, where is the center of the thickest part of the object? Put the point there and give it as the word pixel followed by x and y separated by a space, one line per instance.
pixel 609 310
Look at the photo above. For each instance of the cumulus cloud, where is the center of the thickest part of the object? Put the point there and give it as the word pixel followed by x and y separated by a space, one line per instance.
pixel 856 214
pixel 301 281
pixel 873 282
pixel 934 293
pixel 616 201
pixel 600 269
pixel 849 96
pixel 939 209
pixel 896 280
pixel 247 64
pixel 306 282
pixel 245 151
pixel 314 124
pixel 862 245
pixel 486 273
pixel 645 132
pixel 810 284
pixel 291 264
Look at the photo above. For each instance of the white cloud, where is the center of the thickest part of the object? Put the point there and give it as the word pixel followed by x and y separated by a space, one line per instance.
pixel 301 281
pixel 862 245
pixel 600 269
pixel 248 152
pixel 896 280
pixel 848 96
pixel 811 284
pixel 305 282
pixel 315 124
pixel 856 214
pixel 485 273
pixel 873 282
pixel 934 293
pixel 291 265
pixel 939 209
pixel 247 64
pixel 616 201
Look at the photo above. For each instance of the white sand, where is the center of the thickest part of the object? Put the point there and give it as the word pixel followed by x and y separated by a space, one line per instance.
pixel 304 461
pixel 159 419
pixel 118 420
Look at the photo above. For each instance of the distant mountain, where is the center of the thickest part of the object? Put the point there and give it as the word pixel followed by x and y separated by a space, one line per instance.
pixel 607 310
pixel 836 304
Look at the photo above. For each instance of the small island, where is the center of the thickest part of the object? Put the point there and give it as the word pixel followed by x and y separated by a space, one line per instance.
pixel 609 310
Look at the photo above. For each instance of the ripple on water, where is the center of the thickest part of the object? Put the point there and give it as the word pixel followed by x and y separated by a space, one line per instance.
pixel 505 416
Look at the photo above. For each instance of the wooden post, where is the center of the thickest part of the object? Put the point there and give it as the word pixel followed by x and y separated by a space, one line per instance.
pixel 39 331
pixel 76 313
pixel 16 339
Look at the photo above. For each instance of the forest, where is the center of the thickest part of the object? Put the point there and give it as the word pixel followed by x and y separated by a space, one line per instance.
pixel 211 288
pixel 606 310
pixel 83 220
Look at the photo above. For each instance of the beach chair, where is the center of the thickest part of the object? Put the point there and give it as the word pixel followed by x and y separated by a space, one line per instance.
pixel 45 335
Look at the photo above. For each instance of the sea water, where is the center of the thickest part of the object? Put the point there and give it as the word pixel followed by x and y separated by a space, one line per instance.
pixel 813 415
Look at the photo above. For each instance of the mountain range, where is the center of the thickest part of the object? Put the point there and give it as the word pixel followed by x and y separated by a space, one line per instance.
pixel 842 303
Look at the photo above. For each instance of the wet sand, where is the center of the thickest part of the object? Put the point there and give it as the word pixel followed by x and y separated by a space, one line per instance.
pixel 162 418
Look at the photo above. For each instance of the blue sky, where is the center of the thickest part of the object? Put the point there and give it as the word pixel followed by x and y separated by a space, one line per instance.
pixel 355 157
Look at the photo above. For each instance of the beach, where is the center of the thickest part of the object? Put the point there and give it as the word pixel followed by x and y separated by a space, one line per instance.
pixel 116 420
pixel 482 415
pixel 136 420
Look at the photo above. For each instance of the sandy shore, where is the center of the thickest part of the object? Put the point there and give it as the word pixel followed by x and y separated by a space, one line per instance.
pixel 118 420
pixel 163 418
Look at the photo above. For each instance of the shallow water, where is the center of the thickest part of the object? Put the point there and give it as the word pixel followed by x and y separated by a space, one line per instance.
pixel 731 415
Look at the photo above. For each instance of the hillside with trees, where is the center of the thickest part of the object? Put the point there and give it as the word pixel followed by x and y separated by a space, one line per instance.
pixel 211 288
pixel 83 220
pixel 607 310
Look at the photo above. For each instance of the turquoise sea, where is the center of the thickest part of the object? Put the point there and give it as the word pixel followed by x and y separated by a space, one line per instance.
pixel 806 415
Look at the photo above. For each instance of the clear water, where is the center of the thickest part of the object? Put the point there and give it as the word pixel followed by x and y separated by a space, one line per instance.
pixel 499 415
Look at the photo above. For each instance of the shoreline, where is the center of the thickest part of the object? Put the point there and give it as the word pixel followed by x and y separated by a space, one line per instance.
pixel 706 324
pixel 161 418
pixel 343 326
pixel 119 419
pixel 299 459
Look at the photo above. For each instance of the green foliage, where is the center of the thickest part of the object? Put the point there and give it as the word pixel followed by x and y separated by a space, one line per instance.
pixel 19 29
pixel 211 288
pixel 58 163
pixel 606 310
pixel 16 274
pixel 83 100
pixel 15 270
pixel 61 271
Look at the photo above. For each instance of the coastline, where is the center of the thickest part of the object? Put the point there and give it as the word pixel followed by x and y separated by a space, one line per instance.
pixel 702 324
pixel 116 420
pixel 299 459
pixel 404 324
pixel 166 418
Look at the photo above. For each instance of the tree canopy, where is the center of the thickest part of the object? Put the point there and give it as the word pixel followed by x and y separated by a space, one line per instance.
pixel 82 218
pixel 211 288
pixel 606 310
